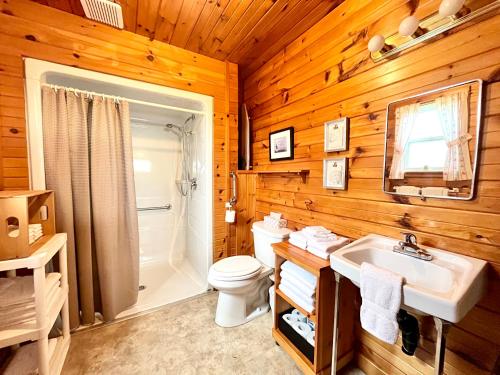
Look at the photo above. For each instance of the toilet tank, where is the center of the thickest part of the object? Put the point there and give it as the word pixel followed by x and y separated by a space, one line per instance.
pixel 263 237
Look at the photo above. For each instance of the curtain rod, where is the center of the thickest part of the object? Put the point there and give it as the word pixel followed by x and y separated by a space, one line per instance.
pixel 118 98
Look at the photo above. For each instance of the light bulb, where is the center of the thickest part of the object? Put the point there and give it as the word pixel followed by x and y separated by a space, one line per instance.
pixel 408 26
pixel 450 7
pixel 376 43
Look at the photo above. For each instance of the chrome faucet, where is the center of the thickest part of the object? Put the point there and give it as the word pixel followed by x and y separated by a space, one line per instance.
pixel 409 247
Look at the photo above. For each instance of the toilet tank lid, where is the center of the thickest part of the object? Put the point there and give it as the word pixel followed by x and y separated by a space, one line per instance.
pixel 281 233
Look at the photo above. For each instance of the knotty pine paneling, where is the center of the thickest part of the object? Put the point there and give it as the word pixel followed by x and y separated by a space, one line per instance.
pixel 28 29
pixel 246 32
pixel 327 73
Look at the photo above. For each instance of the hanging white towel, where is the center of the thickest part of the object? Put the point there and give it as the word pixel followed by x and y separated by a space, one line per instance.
pixel 381 294
pixel 306 276
pixel 297 283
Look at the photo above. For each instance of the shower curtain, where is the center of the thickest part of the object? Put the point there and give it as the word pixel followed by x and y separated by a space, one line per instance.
pixel 88 163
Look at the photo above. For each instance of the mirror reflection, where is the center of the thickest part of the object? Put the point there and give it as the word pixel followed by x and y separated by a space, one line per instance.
pixel 431 142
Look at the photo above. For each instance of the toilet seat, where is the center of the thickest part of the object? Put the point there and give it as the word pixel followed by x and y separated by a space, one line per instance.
pixel 235 268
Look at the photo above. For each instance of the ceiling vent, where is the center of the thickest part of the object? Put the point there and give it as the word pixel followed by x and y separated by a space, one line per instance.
pixel 105 11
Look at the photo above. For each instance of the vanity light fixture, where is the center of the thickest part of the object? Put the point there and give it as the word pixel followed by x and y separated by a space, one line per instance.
pixel 410 27
pixel 377 43
pixel 412 31
pixel 449 8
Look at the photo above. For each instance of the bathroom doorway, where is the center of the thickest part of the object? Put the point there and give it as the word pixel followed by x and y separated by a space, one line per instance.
pixel 172 141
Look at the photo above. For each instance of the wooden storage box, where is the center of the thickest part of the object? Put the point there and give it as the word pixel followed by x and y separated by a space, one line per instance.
pixel 19 209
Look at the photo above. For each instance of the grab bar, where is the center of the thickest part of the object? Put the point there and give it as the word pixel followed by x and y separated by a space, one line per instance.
pixel 232 201
pixel 168 206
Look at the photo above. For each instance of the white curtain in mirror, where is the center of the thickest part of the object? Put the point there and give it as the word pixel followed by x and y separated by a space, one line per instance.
pixel 454 118
pixel 406 117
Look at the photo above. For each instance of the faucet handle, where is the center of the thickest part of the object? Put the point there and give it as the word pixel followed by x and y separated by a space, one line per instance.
pixel 410 238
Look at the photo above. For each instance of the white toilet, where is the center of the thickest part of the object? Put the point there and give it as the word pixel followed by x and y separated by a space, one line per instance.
pixel 243 281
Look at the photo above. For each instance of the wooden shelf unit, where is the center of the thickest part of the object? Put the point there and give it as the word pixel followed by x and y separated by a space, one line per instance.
pixel 46 310
pixel 322 316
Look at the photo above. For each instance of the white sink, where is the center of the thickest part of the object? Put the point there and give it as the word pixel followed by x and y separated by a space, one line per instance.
pixel 447 287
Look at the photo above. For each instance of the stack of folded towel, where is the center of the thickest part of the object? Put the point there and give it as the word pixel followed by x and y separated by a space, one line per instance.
pixel 35 231
pixel 299 285
pixel 274 220
pixel 317 240
pixel 17 298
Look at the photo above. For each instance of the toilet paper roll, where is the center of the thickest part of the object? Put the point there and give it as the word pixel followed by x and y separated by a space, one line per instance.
pixel 310 337
pixel 311 324
pixel 302 329
pixel 290 319
pixel 230 216
pixel 300 317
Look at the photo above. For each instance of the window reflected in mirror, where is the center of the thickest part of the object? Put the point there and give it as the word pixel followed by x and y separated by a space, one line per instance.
pixel 431 142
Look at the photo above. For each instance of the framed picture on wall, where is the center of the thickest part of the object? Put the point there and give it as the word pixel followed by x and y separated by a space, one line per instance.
pixel 336 134
pixel 281 144
pixel 335 173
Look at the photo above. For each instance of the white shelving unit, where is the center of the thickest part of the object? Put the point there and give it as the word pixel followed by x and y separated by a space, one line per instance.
pixel 50 356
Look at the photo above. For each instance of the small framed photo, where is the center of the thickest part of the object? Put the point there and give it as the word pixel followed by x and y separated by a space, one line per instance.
pixel 335 173
pixel 281 144
pixel 336 134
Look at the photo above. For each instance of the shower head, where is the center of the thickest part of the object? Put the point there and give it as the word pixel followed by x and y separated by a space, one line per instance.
pixel 190 118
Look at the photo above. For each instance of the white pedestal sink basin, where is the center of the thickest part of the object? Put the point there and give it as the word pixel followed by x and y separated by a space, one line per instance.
pixel 447 287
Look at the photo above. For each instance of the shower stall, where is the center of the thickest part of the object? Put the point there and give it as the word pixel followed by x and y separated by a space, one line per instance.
pixel 172 159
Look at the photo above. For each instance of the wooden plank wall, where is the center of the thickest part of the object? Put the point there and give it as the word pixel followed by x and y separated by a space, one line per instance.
pixel 245 212
pixel 325 74
pixel 32 30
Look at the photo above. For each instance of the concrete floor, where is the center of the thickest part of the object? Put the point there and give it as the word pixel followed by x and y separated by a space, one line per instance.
pixel 180 339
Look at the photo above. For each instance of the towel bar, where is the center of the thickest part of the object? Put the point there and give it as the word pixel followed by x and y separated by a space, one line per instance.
pixel 166 207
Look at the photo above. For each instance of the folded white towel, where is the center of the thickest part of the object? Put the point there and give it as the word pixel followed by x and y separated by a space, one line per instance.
pixel 381 293
pixel 435 191
pixel 316 229
pixel 298 243
pixel 318 253
pixel 293 296
pixel 20 290
pixel 275 215
pixel 304 297
pixel 307 277
pixel 25 360
pixel 297 283
pixel 298 235
pixel 22 313
pixel 406 189
pixel 327 247
pixel 16 290
pixel 321 237
pixel 275 223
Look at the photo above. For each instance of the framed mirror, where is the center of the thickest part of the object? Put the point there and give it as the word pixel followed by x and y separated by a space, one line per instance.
pixel 432 142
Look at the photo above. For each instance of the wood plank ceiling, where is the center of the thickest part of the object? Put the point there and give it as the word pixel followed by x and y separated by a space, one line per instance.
pixel 246 32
